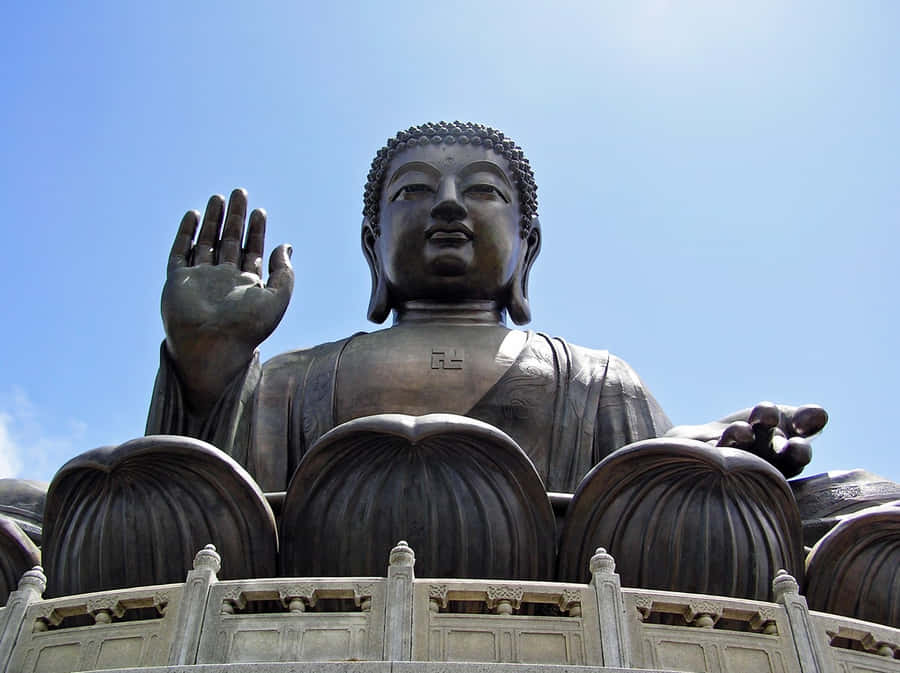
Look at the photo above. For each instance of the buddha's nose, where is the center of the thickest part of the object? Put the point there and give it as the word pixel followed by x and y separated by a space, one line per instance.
pixel 449 206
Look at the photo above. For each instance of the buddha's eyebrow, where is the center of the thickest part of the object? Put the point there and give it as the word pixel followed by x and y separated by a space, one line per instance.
pixel 414 166
pixel 488 166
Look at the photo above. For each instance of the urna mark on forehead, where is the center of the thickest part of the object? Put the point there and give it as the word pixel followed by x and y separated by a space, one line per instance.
pixel 450 134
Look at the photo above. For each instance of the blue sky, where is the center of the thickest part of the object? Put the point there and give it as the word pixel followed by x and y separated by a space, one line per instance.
pixel 719 187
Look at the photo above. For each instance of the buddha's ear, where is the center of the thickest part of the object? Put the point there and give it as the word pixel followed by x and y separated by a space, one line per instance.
pixel 379 300
pixel 519 308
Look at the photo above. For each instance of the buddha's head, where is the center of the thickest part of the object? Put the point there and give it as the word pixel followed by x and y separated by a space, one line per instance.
pixel 450 216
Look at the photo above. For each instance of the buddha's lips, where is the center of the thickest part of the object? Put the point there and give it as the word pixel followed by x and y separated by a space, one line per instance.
pixel 455 231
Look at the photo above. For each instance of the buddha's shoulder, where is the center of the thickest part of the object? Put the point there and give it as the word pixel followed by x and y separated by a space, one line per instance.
pixel 599 362
pixel 293 362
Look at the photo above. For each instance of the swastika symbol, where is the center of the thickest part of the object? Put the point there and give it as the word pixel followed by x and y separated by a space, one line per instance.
pixel 446 358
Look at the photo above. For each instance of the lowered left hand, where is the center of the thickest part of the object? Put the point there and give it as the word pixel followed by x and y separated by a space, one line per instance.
pixel 777 433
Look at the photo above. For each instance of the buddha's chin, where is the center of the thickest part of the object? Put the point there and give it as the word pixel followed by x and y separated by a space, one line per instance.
pixel 450 261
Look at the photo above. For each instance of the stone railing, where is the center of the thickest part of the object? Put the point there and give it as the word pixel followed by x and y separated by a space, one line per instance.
pixel 400 618
pixel 90 631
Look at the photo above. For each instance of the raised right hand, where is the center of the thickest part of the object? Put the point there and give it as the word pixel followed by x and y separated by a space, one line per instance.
pixel 215 308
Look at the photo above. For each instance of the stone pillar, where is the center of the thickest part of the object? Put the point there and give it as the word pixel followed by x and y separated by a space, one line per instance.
pixel 192 608
pixel 31 590
pixel 616 649
pixel 398 624
pixel 809 647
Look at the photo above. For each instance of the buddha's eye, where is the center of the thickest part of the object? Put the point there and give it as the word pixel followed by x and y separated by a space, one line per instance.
pixel 485 192
pixel 414 191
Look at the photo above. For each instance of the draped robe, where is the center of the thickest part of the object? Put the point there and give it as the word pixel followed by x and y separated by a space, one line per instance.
pixel 566 406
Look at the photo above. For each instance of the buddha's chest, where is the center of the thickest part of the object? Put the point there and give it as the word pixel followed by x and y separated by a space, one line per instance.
pixel 422 369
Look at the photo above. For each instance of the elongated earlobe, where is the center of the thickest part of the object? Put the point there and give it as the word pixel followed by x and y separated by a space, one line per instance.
pixel 379 300
pixel 519 308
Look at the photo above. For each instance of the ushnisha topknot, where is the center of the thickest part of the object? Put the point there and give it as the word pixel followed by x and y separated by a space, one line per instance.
pixel 450 133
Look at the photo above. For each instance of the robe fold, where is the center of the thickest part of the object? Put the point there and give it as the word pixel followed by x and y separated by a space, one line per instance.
pixel 567 407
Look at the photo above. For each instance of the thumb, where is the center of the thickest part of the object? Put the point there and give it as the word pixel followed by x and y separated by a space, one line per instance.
pixel 808 420
pixel 281 273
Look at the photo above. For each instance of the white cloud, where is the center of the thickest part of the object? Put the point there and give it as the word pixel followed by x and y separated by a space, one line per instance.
pixel 10 451
pixel 25 438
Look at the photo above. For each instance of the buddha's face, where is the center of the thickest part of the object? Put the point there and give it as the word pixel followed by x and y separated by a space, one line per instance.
pixel 449 219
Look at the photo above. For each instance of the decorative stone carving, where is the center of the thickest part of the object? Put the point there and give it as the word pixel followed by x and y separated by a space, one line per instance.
pixel 402 556
pixel 504 599
pixel 855 569
pixel 682 515
pixel 208 559
pixel 161 601
pixel 505 592
pixel 45 616
pixel 134 514
pixel 570 601
pixel 602 563
pixel 233 599
pixel 644 606
pixel 462 492
pixel 362 596
pixel 703 614
pixel 437 596
pixel 104 608
pixel 297 597
pixel 784 586
pixel 764 621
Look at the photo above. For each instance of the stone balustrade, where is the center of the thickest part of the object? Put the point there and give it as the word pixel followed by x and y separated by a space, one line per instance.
pixel 94 631
pixel 374 624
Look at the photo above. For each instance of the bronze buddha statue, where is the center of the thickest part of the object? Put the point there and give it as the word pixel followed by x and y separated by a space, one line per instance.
pixel 450 235
pixel 447 428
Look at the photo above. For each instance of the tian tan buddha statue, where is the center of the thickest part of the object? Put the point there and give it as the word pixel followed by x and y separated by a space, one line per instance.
pixel 448 428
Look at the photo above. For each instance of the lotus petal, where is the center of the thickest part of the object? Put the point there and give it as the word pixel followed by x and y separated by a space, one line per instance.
pixel 461 492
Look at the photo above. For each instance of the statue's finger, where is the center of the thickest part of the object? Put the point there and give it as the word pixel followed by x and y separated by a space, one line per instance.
pixel 256 238
pixel 737 435
pixel 765 414
pixel 777 440
pixel 809 419
pixel 794 455
pixel 208 238
pixel 233 231
pixel 281 273
pixel 181 247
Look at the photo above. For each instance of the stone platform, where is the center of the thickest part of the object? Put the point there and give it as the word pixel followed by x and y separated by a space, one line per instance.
pixel 400 624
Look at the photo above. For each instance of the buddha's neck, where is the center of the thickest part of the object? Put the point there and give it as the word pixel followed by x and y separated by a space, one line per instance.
pixel 456 313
